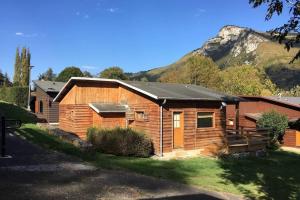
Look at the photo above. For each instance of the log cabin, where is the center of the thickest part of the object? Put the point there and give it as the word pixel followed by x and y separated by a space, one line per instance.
pixel 45 109
pixel 175 116
pixel 251 109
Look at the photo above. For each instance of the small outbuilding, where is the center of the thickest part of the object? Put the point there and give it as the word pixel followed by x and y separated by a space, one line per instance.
pixel 45 109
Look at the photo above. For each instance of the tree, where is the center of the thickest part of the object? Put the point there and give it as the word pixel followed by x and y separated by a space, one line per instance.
pixel 276 122
pixel 113 73
pixel 69 72
pixel 243 80
pixel 87 74
pixel 198 69
pixel 25 66
pixel 48 75
pixel 17 70
pixel 289 32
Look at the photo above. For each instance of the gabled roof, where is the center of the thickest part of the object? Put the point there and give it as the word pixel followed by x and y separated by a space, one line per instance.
pixel 290 100
pixel 257 116
pixel 156 90
pixel 50 86
pixel 108 108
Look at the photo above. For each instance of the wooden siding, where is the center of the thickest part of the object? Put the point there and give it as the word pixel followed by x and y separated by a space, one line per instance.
pixel 109 120
pixel 208 139
pixel 81 94
pixel 291 138
pixel 50 113
pixel 263 106
pixel 75 118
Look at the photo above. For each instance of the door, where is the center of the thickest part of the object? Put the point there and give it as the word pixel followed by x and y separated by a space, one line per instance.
pixel 178 124
pixel 297 138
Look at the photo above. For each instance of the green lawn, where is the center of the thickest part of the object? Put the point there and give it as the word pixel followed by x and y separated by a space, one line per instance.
pixel 11 111
pixel 273 177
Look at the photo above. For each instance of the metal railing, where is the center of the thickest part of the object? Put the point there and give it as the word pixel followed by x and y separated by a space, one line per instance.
pixel 7 124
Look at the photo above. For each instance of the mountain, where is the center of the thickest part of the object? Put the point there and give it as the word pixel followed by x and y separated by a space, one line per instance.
pixel 234 46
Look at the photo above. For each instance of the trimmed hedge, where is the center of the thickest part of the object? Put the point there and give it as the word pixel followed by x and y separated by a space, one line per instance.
pixel 16 95
pixel 120 141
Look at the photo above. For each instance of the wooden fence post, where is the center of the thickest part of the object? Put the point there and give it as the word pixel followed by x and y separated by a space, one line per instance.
pixel 3 137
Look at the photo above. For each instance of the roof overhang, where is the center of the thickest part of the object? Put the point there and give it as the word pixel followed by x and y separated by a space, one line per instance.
pixel 108 108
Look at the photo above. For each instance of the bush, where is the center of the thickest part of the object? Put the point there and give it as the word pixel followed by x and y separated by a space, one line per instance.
pixel 16 95
pixel 120 141
pixel 276 122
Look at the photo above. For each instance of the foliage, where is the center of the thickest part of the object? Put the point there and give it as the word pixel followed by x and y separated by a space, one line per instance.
pixel 197 69
pixel 48 75
pixel 283 33
pixel 17 72
pixel 271 177
pixel 120 141
pixel 17 95
pixel 113 73
pixel 244 80
pixel 11 111
pixel 22 67
pixel 87 74
pixel 295 91
pixel 276 122
pixel 4 79
pixel 69 72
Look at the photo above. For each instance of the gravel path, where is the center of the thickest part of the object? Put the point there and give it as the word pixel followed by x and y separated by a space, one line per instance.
pixel 36 173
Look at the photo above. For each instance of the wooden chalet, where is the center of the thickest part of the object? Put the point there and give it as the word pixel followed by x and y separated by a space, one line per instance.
pixel 251 109
pixel 175 116
pixel 45 109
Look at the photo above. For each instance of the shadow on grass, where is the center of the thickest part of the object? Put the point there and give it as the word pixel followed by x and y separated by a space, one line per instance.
pixel 276 176
pixel 11 111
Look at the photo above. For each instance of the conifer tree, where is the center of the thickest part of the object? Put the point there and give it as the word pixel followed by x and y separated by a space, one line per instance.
pixel 17 71
pixel 24 69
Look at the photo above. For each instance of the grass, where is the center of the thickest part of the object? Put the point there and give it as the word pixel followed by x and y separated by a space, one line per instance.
pixel 273 177
pixel 11 111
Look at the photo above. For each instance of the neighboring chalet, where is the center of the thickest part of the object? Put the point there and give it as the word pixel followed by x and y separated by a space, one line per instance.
pixel 174 116
pixel 45 109
pixel 252 108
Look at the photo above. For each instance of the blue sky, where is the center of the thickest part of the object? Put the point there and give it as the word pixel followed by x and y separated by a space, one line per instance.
pixel 133 34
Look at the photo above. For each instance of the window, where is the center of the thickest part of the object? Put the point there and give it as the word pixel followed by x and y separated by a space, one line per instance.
pixel 205 119
pixel 176 120
pixel 41 107
pixel 139 115
pixel 230 122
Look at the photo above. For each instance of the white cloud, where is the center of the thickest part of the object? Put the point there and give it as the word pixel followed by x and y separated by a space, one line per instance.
pixel 21 34
pixel 112 10
pixel 199 12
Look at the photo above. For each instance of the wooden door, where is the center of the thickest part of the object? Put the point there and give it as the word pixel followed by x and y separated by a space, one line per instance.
pixel 297 138
pixel 178 124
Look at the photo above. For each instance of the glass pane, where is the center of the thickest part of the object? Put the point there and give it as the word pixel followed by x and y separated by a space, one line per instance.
pixel 205 114
pixel 205 122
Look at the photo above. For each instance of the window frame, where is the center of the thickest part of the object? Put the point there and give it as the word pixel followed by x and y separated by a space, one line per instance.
pixel 212 116
pixel 136 114
pixel 41 106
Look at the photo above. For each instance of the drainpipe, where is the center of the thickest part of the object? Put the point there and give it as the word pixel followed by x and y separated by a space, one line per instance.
pixel 161 128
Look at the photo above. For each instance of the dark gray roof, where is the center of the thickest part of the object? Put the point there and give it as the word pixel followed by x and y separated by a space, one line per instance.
pixel 290 100
pixel 108 107
pixel 50 86
pixel 181 91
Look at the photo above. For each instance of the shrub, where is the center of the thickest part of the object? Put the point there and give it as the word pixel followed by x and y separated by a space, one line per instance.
pixel 276 122
pixel 16 95
pixel 120 141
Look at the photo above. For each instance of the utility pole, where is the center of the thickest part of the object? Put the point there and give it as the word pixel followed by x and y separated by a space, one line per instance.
pixel 29 88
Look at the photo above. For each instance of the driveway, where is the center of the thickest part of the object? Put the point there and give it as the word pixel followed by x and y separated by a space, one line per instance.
pixel 36 173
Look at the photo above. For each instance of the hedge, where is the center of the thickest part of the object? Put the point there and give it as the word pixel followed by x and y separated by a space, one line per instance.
pixel 120 141
pixel 16 95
